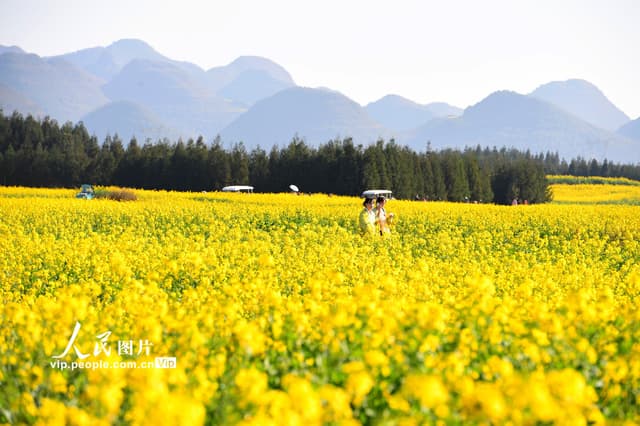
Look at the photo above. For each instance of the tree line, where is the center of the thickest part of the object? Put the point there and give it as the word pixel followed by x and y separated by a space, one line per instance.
pixel 44 153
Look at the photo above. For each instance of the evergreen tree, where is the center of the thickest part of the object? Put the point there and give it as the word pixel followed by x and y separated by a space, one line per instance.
pixel 197 156
pixel 5 139
pixel 277 182
pixel 384 174
pixel 180 167
pixel 455 178
pixel 91 149
pixel 349 168
pixel 439 185
pixel 156 165
pixel 218 166
pixel 418 177
pixel 329 168
pixel 474 176
pixel 594 168
pixel 105 164
pixel 428 184
pixel 132 163
pixel 258 168
pixel 9 167
pixel 370 173
pixel 41 172
pixel 117 148
pixel 239 165
pixel 522 180
pixel 295 163
pixel 400 169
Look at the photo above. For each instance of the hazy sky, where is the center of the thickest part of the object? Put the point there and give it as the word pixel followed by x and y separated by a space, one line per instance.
pixel 446 50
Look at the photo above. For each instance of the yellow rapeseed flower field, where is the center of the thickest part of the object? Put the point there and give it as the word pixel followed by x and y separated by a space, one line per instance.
pixel 583 191
pixel 271 309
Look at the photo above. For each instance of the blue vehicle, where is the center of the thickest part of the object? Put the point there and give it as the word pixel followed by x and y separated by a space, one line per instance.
pixel 86 192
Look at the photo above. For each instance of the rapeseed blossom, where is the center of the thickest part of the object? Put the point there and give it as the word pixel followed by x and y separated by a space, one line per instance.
pixel 276 311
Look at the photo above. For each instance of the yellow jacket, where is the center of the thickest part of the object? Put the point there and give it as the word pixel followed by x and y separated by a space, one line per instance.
pixel 367 222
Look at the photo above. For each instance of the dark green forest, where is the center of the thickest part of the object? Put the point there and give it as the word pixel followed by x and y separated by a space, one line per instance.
pixel 43 153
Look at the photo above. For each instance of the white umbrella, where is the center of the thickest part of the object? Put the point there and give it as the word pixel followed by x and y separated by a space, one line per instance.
pixel 294 188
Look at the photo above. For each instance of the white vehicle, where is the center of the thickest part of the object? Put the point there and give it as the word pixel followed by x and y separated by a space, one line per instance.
pixel 238 188
pixel 375 193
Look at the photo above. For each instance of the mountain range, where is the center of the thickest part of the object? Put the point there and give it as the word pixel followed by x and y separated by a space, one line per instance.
pixel 509 119
pixel 130 89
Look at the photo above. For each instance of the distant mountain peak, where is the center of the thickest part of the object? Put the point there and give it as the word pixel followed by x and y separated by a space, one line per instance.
pixel 246 63
pixel 398 113
pixel 130 42
pixel 252 85
pixel 10 49
pixel 499 96
pixel 572 86
pixel 575 82
pixel 328 90
pixel 631 130
pixel 125 50
pixel 58 88
pixel 251 60
pixel 401 114
pixel 127 119
pixel 584 100
pixel 316 115
pixel 392 97
pixel 255 70
pixel 153 82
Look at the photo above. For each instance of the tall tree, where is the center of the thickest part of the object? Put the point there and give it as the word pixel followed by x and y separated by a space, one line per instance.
pixel 439 184
pixel 455 177
pixel 239 164
pixel 180 167
pixel 105 164
pixel 349 167
pixel 258 168
pixel 218 165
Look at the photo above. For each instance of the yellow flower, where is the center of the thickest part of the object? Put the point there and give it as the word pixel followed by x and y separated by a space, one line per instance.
pixel 397 402
pixel 376 358
pixel 305 400
pixel 251 384
pixel 570 387
pixel 358 386
pixel 337 403
pixel 492 401
pixel 52 412
pixel 616 370
pixel 250 338
pixel 427 389
pixel 542 404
